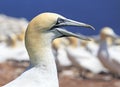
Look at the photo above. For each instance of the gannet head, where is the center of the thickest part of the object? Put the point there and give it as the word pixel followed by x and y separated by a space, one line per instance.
pixel 52 22
pixel 107 32
pixel 43 29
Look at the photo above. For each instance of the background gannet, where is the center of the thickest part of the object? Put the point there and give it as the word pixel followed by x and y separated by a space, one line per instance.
pixel 109 57
pixel 41 31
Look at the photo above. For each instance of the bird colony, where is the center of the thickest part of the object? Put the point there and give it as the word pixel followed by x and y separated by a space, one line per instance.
pixel 12 32
pixel 73 56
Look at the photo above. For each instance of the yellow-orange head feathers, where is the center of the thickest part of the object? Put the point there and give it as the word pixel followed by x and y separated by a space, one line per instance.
pixel 45 21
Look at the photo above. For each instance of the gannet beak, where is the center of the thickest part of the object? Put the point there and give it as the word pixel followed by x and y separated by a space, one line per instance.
pixel 115 36
pixel 66 33
pixel 69 22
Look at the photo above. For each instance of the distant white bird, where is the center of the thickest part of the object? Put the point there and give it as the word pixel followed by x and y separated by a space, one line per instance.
pixel 40 33
pixel 62 59
pixel 109 57
pixel 82 58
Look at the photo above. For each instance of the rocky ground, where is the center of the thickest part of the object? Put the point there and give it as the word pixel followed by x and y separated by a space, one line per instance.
pixel 11 69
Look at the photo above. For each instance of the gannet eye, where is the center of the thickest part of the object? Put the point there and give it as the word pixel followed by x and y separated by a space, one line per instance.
pixel 60 20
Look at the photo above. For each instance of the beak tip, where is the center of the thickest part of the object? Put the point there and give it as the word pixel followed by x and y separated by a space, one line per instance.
pixel 92 27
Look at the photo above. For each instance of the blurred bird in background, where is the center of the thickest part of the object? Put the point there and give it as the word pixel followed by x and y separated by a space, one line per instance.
pixel 108 53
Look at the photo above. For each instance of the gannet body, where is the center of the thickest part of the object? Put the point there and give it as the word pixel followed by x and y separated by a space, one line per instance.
pixel 40 33
pixel 114 53
pixel 63 58
pixel 109 58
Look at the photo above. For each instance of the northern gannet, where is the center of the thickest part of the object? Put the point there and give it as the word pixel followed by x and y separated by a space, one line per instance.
pixel 40 33
pixel 110 58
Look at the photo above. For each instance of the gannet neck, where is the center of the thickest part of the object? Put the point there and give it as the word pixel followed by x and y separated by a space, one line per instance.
pixel 38 46
pixel 39 49
pixel 103 49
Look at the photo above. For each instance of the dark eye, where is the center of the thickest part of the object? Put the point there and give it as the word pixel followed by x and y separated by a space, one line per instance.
pixel 60 20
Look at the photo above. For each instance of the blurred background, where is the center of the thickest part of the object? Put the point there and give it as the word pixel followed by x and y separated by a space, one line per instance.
pixel 78 62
